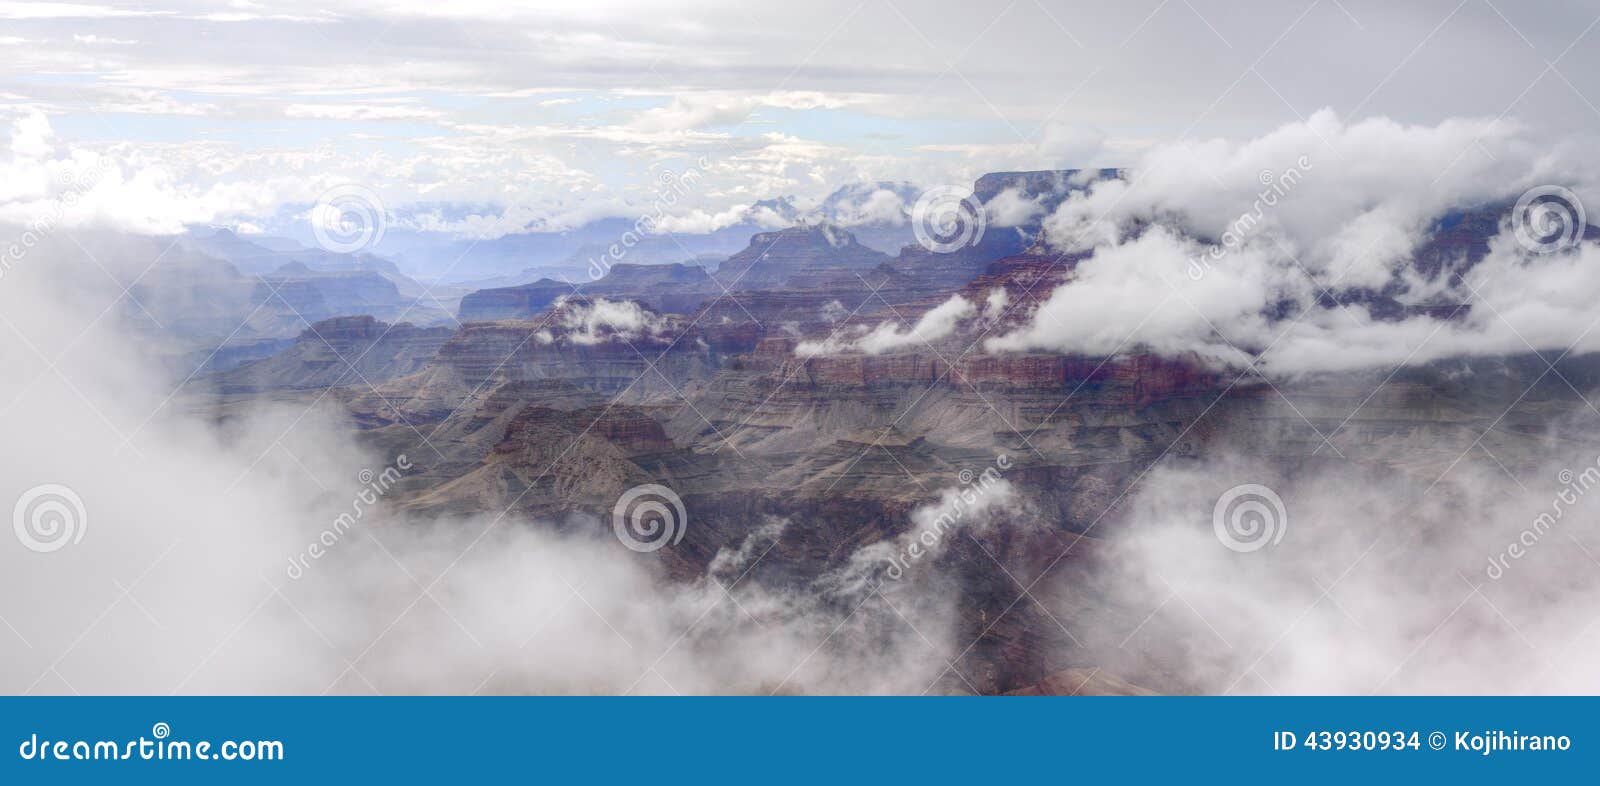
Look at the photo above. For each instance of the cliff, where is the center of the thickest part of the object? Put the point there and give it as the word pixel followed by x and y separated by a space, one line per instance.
pixel 675 288
pixel 343 351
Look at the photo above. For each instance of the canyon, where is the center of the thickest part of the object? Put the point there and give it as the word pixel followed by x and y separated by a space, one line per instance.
pixel 550 400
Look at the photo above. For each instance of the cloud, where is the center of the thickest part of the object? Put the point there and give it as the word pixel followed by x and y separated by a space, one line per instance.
pixel 700 222
pixel 1067 146
pixel 1225 251
pixel 95 40
pixel 865 107
pixel 31 136
pixel 181 581
pixel 1122 299
pixel 994 305
pixel 986 503
pixel 878 207
pixel 1011 208
pixel 601 320
pixel 1381 582
pixel 937 323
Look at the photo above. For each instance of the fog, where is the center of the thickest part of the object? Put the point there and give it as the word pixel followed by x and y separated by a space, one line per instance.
pixel 176 559
pixel 178 574
pixel 1379 580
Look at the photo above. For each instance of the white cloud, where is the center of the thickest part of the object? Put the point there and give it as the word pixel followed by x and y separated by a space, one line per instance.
pixel 31 10
pixel 994 305
pixel 31 136
pixel 975 507
pixel 1066 146
pixel 601 320
pixel 880 206
pixel 95 40
pixel 1011 208
pixel 1234 256
pixel 937 323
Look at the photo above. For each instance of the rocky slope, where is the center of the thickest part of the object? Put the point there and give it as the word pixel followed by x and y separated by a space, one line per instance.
pixel 339 351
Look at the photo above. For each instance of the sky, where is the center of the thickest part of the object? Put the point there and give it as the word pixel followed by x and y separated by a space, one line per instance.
pixel 478 119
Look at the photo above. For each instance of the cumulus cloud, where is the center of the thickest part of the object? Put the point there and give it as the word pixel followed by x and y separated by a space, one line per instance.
pixel 1122 298
pixel 47 180
pixel 994 304
pixel 1012 207
pixel 937 323
pixel 1231 251
pixel 588 322
pixel 879 206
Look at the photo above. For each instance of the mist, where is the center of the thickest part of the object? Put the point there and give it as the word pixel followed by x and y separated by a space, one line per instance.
pixel 169 545
pixel 1367 579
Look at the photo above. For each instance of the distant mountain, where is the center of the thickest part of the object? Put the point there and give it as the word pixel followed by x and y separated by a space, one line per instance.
pixel 673 288
pixel 797 258
pixel 197 308
pixel 268 254
pixel 571 254
pixel 877 213
pixel 256 254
